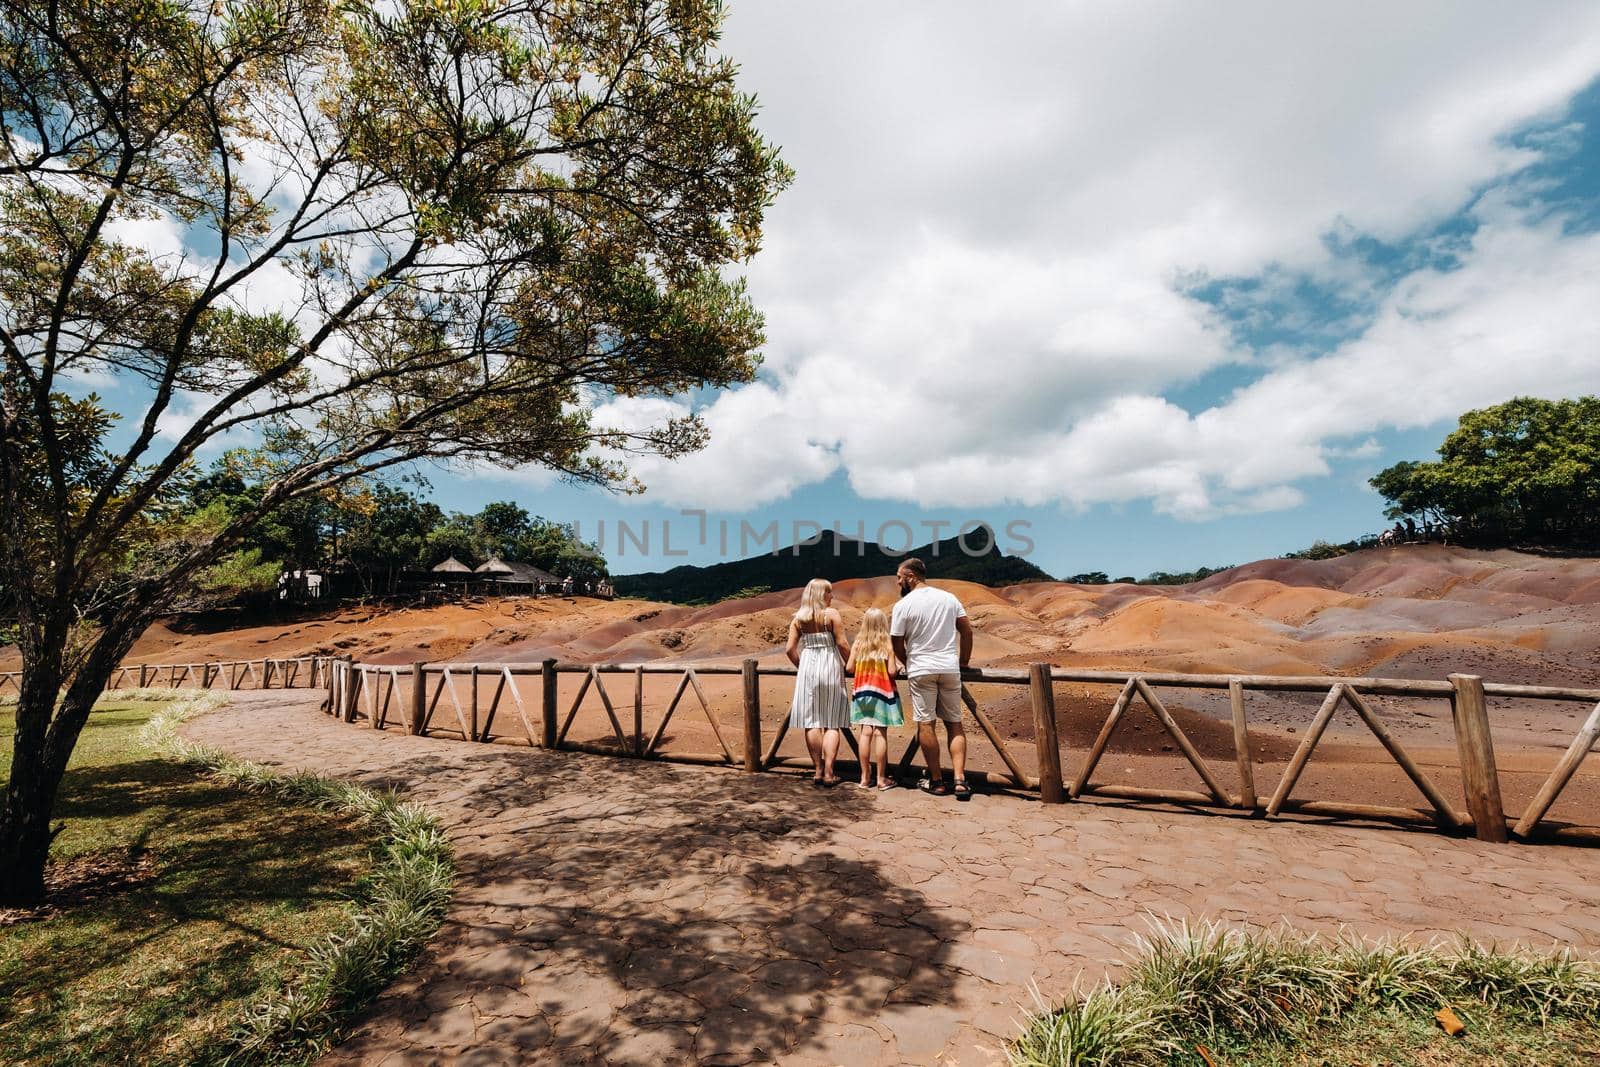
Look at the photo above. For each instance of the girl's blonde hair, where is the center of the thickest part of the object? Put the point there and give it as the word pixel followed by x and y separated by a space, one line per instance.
pixel 814 601
pixel 872 641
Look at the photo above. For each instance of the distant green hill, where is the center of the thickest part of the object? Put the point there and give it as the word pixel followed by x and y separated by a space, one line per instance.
pixel 834 558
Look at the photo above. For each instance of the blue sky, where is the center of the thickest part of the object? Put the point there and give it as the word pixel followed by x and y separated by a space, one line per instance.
pixel 1164 284
pixel 1184 332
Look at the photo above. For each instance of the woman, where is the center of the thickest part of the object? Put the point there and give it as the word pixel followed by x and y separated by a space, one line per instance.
pixel 821 704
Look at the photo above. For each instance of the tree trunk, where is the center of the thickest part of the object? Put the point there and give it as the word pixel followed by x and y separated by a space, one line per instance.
pixel 30 794
pixel 46 735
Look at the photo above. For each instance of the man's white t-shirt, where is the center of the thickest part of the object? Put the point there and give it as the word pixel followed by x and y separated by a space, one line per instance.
pixel 926 618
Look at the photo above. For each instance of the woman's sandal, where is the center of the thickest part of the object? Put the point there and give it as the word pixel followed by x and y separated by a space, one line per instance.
pixel 932 788
pixel 962 790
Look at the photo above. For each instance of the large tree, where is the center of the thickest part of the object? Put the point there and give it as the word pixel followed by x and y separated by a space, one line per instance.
pixel 361 234
pixel 1523 472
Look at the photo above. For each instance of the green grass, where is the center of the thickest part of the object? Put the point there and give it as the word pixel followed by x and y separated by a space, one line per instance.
pixel 282 904
pixel 1386 1037
pixel 1282 998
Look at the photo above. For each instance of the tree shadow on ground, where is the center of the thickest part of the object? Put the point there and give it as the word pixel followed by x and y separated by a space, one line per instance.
pixel 237 878
pixel 631 912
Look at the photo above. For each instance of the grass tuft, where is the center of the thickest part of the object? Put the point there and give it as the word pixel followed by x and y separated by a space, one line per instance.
pixel 403 905
pixel 1207 983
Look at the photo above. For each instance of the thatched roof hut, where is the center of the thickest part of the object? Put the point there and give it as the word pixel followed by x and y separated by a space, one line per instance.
pixel 493 567
pixel 452 566
pixel 528 574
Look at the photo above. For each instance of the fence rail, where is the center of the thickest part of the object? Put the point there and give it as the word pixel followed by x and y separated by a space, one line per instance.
pixel 550 726
pixel 427 699
pixel 300 672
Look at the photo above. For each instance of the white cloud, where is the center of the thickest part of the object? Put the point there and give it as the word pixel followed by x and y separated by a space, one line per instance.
pixel 760 450
pixel 974 289
pixel 181 415
pixel 160 236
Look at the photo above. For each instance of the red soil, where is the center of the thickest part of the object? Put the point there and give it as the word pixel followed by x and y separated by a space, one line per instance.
pixel 1410 612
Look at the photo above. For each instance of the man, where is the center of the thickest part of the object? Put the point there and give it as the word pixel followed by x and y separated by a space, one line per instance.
pixel 933 641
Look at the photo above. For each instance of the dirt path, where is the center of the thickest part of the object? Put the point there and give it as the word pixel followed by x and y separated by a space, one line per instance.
pixel 611 911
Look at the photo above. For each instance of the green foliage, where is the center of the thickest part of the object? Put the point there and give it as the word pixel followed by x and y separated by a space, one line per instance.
pixel 1183 577
pixel 236 896
pixel 401 905
pixel 455 535
pixel 1328 550
pixel 507 530
pixel 1089 578
pixel 238 575
pixel 374 532
pixel 428 230
pixel 1234 989
pixel 385 530
pixel 1523 472
pixel 1319 550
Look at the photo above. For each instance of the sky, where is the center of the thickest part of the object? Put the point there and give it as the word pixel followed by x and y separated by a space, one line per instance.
pixel 1155 285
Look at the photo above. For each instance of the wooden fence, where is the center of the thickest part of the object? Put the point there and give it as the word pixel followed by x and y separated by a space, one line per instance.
pixel 304 672
pixel 426 698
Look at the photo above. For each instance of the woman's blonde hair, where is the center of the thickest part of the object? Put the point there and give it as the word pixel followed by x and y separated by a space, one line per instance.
pixel 872 641
pixel 814 601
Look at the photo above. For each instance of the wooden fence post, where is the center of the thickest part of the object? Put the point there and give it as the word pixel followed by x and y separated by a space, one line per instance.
pixel 1241 746
pixel 547 706
pixel 638 712
pixel 752 717
pixel 419 698
pixel 1480 779
pixel 1051 790
pixel 352 689
pixel 144 675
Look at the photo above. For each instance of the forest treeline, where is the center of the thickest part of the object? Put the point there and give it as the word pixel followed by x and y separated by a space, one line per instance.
pixel 368 538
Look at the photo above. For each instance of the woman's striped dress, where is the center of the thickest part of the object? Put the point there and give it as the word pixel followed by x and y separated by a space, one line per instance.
pixel 820 700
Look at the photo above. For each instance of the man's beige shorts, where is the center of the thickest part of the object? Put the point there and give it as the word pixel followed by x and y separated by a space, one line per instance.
pixel 936 696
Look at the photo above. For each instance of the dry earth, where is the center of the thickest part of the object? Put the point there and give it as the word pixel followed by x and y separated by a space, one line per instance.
pixel 1407 612
pixel 640 914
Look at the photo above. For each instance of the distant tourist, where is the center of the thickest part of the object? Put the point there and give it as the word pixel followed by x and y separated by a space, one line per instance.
pixel 874 703
pixel 932 637
pixel 566 586
pixel 821 703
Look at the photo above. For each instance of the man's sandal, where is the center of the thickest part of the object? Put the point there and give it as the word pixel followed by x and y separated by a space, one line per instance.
pixel 932 788
pixel 962 790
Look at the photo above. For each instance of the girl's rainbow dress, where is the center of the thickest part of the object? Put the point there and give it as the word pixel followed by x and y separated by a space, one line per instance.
pixel 874 700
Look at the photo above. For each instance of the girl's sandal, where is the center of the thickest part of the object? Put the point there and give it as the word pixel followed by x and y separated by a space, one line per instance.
pixel 963 791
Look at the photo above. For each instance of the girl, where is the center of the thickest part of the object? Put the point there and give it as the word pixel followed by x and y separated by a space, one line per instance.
pixel 875 704
pixel 821 704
